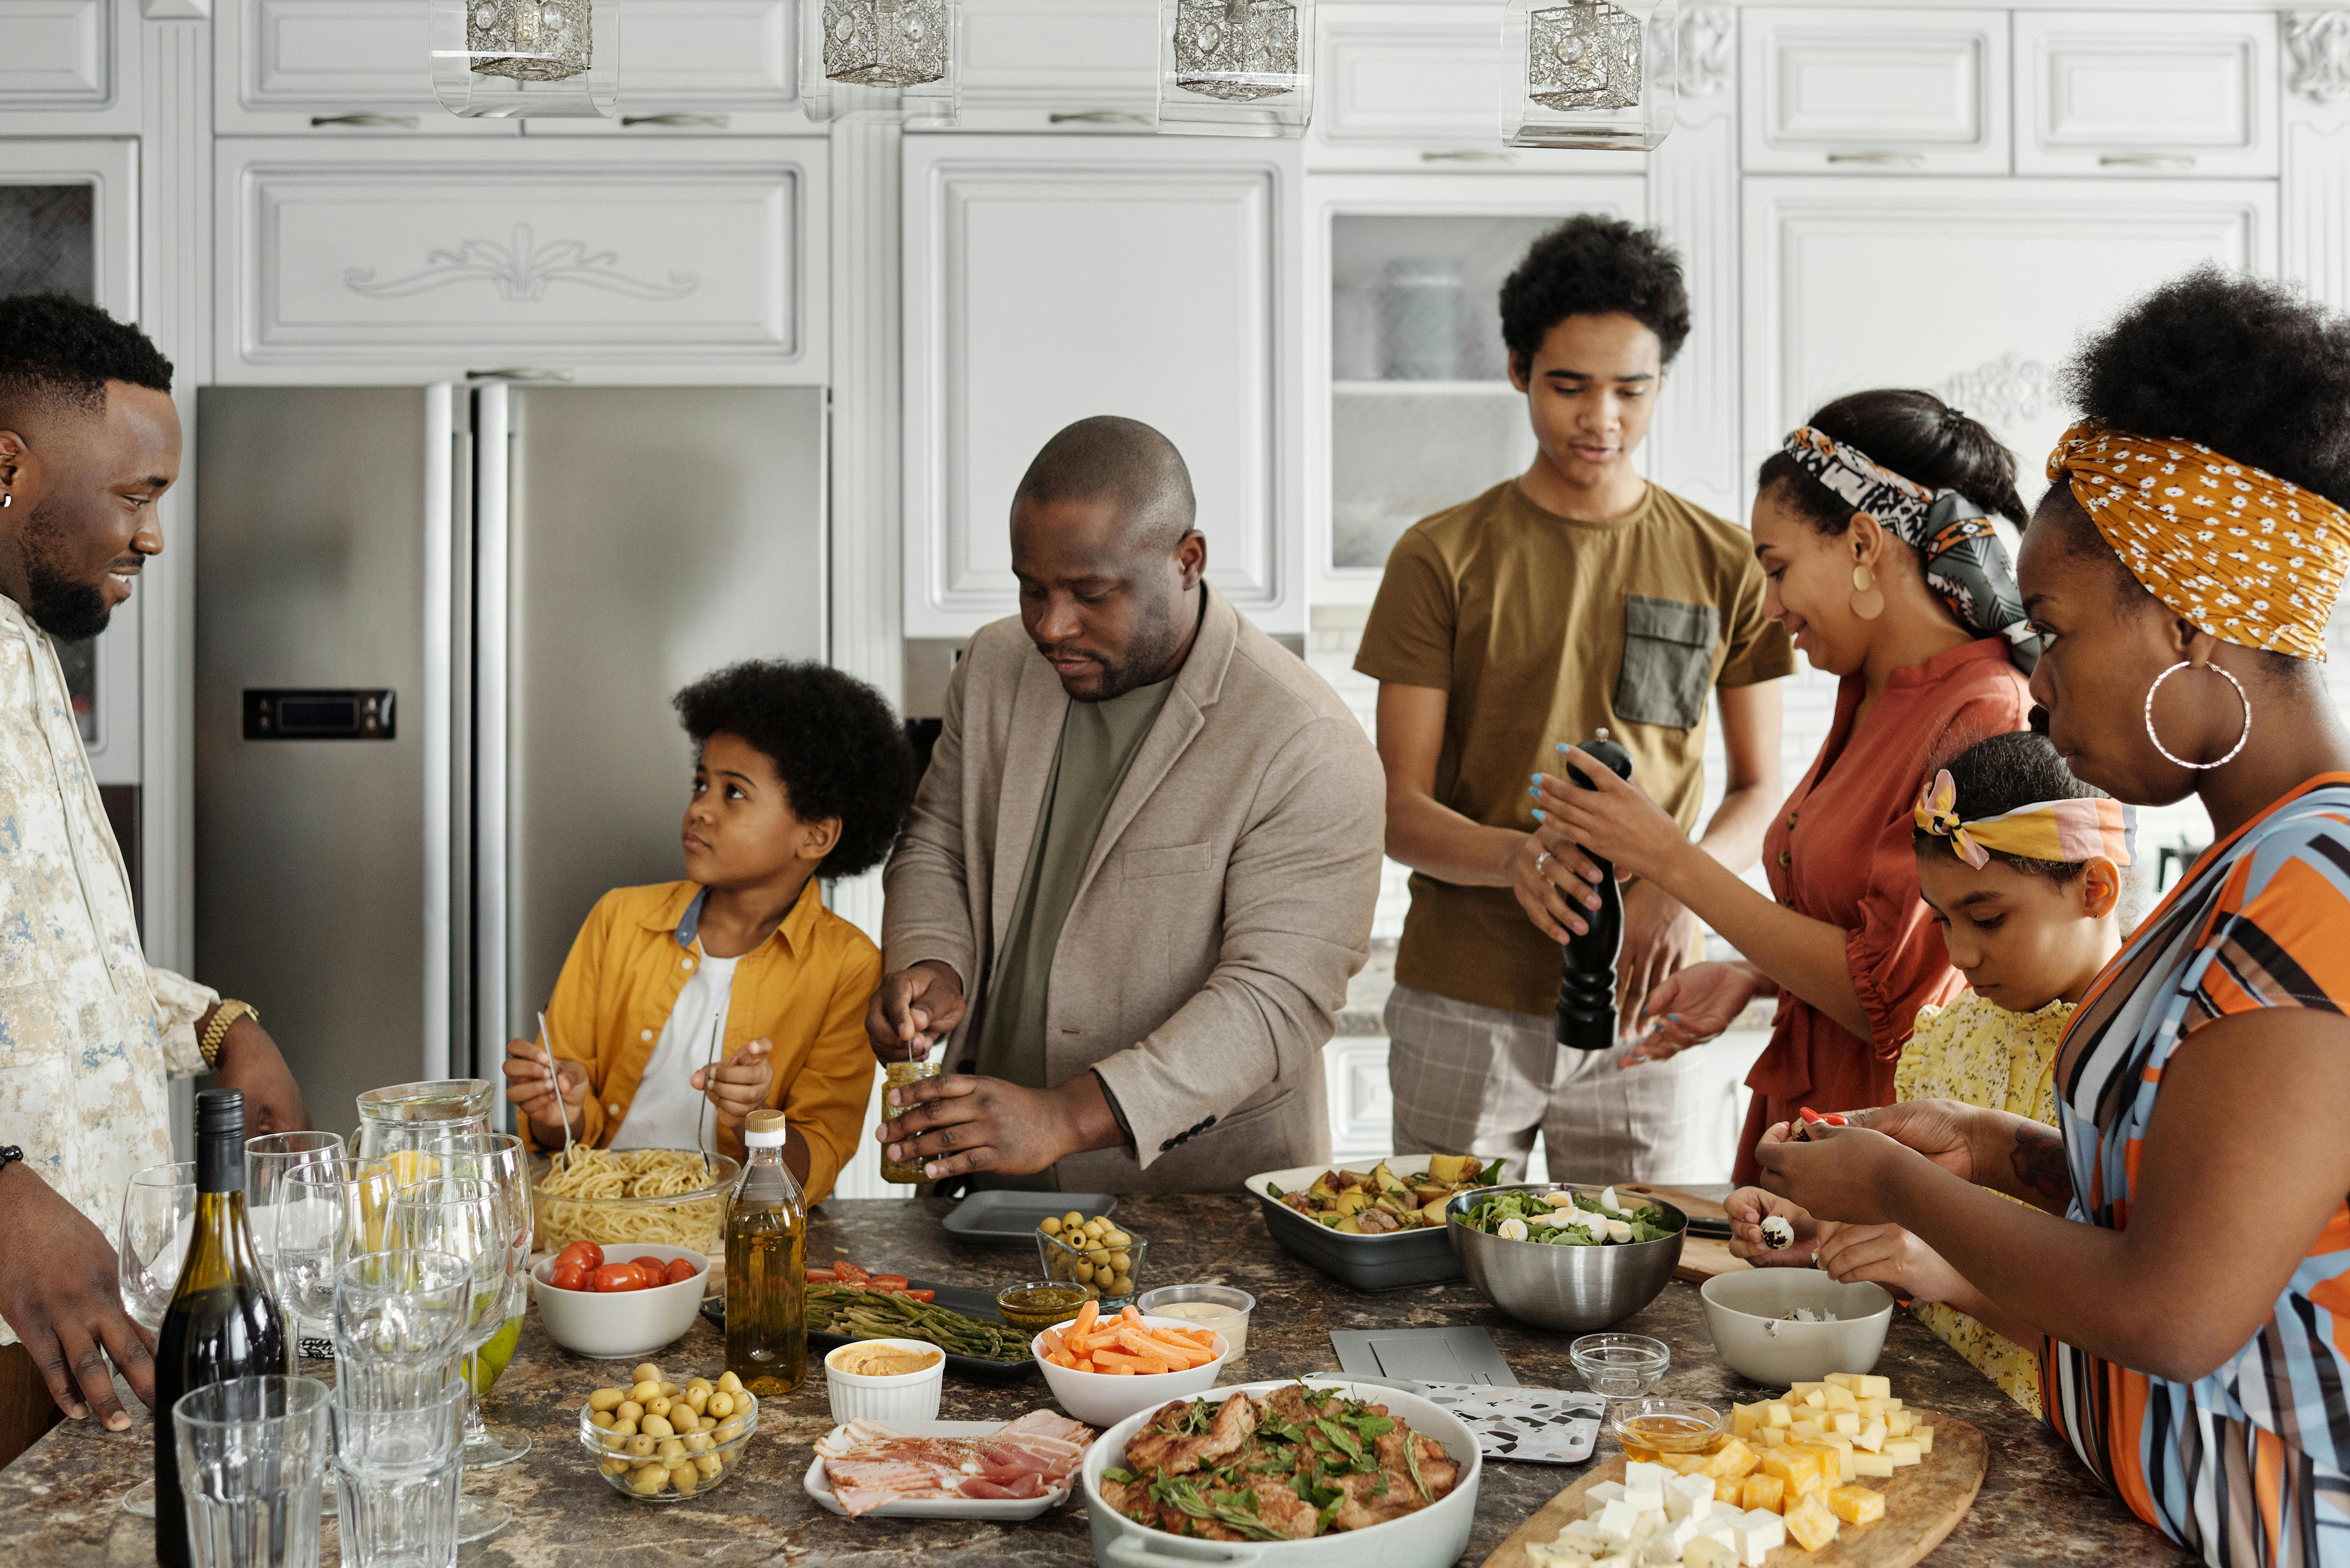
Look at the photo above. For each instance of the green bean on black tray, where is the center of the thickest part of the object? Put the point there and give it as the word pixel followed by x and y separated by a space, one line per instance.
pixel 855 1314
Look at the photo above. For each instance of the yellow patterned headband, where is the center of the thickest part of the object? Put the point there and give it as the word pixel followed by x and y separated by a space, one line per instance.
pixel 2068 830
pixel 2244 554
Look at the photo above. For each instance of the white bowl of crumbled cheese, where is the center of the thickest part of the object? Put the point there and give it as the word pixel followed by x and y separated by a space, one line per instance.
pixel 1795 1325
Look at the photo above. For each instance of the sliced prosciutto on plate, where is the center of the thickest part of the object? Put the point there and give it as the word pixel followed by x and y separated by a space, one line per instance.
pixel 870 1464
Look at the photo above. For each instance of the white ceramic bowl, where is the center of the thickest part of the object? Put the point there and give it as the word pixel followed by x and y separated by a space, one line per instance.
pixel 1434 1537
pixel 1746 1310
pixel 908 1396
pixel 621 1325
pixel 1101 1399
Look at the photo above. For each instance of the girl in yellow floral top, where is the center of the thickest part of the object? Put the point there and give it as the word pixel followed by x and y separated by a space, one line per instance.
pixel 2022 867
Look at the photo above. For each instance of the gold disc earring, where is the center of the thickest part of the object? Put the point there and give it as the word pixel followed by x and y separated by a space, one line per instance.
pixel 1866 602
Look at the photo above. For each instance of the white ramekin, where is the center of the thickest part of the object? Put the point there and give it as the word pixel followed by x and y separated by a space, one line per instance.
pixel 908 1397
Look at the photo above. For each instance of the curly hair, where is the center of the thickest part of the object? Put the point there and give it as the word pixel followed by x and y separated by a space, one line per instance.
pixel 2249 367
pixel 836 745
pixel 2000 774
pixel 1591 266
pixel 1915 434
pixel 56 349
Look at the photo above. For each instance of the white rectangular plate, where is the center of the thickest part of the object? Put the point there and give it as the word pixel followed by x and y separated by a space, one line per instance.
pixel 819 1485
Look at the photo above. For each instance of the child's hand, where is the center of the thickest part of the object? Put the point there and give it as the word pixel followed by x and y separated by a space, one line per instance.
pixel 738 1084
pixel 1891 1257
pixel 530 1090
pixel 1748 1208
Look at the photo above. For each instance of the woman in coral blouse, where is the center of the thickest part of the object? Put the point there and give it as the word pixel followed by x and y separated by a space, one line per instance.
pixel 1873 528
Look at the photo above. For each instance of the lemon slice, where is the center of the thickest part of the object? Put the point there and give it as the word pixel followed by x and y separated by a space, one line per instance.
pixel 408 1165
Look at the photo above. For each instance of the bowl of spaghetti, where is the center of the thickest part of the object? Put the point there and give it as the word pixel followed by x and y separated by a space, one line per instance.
pixel 627 1197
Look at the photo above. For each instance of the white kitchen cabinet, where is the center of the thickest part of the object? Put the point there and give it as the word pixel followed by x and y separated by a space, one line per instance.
pixel 1077 64
pixel 68 67
pixel 1050 278
pixel 2146 93
pixel 702 67
pixel 353 69
pixel 104 172
pixel 1868 91
pixel 347 261
pixel 1410 407
pixel 1975 288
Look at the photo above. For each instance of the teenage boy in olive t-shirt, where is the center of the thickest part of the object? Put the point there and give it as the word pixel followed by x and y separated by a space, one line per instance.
pixel 1573 598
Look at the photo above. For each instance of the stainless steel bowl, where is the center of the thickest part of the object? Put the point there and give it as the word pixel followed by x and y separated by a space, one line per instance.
pixel 1569 1288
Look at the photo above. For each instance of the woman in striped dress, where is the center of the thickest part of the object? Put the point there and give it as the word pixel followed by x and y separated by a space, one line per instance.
pixel 2189 1259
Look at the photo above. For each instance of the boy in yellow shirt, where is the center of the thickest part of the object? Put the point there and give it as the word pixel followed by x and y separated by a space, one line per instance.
pixel 685 1006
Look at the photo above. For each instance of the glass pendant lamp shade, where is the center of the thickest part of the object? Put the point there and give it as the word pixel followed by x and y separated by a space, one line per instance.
pixel 878 54
pixel 1587 73
pixel 1236 68
pixel 505 59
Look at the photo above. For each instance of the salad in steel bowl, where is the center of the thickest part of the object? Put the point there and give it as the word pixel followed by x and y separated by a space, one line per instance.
pixel 1569 1219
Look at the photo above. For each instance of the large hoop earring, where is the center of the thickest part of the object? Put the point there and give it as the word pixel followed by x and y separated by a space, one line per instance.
pixel 2182 762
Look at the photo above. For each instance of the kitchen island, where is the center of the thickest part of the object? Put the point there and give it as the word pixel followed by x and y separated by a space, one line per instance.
pixel 58 1502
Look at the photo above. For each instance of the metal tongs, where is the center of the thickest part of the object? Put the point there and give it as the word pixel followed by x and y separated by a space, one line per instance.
pixel 555 1082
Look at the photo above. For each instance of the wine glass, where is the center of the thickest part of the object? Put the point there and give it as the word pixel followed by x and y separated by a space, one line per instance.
pixel 269 1159
pixel 159 1216
pixel 327 1212
pixel 502 1161
pixel 468 1219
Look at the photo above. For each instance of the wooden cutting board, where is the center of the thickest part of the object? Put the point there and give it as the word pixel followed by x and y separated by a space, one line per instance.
pixel 1703 1257
pixel 1922 1504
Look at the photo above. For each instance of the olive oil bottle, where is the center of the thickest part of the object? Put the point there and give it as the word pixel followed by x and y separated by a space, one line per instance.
pixel 897 1075
pixel 767 1266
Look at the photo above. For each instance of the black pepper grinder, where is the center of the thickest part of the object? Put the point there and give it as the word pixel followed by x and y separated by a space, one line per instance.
pixel 1587 978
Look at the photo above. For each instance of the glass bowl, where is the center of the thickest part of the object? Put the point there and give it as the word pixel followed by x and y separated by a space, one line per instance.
pixel 694 1219
pixel 1034 1316
pixel 1105 1267
pixel 1620 1366
pixel 1647 1428
pixel 706 1464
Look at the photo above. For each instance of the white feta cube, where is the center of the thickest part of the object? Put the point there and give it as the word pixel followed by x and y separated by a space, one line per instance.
pixel 1756 1532
pixel 1660 1551
pixel 1720 1525
pixel 1682 1492
pixel 1600 1496
pixel 1647 1524
pixel 1579 1530
pixel 1707 1552
pixel 1644 1486
pixel 1614 1522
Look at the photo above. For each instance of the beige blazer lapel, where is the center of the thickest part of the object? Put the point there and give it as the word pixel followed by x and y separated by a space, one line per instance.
pixel 1039 707
pixel 1197 685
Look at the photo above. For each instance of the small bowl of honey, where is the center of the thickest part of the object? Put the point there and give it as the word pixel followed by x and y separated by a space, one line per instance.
pixel 1648 1427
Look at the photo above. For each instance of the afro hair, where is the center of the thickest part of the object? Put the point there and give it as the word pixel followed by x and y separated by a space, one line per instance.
pixel 2246 366
pixel 1591 266
pixel 57 351
pixel 836 744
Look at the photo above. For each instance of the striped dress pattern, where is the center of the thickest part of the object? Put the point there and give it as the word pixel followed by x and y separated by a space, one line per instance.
pixel 2250 1463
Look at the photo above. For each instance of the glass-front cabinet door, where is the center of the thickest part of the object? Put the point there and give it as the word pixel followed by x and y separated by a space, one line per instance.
pixel 1410 397
pixel 66 228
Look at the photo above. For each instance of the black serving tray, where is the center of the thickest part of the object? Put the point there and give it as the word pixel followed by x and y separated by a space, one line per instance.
pixel 971 1304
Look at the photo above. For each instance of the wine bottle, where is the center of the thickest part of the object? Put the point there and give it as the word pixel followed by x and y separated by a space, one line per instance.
pixel 222 1321
pixel 767 1266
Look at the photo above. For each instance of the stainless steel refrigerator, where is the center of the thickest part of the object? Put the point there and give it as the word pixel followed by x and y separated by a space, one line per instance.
pixel 437 632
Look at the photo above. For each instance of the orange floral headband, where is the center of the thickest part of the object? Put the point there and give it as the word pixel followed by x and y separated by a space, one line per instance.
pixel 2244 554
pixel 2068 830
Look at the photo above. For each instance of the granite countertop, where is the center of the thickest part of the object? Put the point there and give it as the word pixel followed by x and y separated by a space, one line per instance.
pixel 58 1502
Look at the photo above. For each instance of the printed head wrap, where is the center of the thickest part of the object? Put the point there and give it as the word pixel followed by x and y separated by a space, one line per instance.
pixel 2068 830
pixel 2244 555
pixel 1965 563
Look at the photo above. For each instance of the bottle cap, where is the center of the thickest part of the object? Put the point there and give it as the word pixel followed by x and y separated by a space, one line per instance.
pixel 764 1130
pixel 220 1113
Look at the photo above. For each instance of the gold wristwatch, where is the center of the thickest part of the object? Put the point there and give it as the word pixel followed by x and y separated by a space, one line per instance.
pixel 208 1043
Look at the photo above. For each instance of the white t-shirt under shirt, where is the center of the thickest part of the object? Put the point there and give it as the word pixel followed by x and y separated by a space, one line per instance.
pixel 667 1111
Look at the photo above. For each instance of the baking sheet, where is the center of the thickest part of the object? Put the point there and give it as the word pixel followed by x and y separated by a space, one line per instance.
pixel 1424 1355
pixel 1006 1218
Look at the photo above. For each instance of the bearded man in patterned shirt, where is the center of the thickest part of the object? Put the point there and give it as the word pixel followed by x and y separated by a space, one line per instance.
pixel 88 1030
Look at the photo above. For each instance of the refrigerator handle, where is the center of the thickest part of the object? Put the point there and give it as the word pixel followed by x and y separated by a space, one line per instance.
pixel 492 432
pixel 440 718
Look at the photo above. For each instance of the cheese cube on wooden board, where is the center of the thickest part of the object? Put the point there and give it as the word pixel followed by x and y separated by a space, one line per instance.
pixel 1564 1553
pixel 1923 1437
pixel 1732 1461
pixel 1871 1465
pixel 1840 1398
pixel 1647 1524
pixel 1600 1496
pixel 1707 1552
pixel 1683 1493
pixel 1757 1534
pixel 1872 1436
pixel 1776 1414
pixel 1857 1504
pixel 1614 1522
pixel 1766 1492
pixel 1810 1524
pixel 1902 1451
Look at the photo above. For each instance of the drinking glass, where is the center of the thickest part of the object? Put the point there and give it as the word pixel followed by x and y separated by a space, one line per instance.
pixel 400 1471
pixel 502 1160
pixel 159 1216
pixel 269 1159
pixel 469 1220
pixel 400 1317
pixel 327 1212
pixel 252 1451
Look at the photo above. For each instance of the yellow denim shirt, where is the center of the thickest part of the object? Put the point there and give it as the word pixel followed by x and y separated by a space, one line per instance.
pixel 805 989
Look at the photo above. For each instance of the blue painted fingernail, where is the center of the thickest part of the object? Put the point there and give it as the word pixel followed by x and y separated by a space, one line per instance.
pixel 1562 748
pixel 1536 778
pixel 1538 815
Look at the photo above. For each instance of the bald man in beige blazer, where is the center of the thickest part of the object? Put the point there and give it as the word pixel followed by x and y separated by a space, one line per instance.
pixel 1140 869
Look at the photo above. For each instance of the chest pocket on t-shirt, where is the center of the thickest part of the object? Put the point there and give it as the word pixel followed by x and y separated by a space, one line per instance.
pixel 1667 661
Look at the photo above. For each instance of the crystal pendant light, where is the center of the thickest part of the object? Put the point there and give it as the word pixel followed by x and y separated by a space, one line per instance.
pixel 890 55
pixel 1587 73
pixel 1236 68
pixel 504 59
